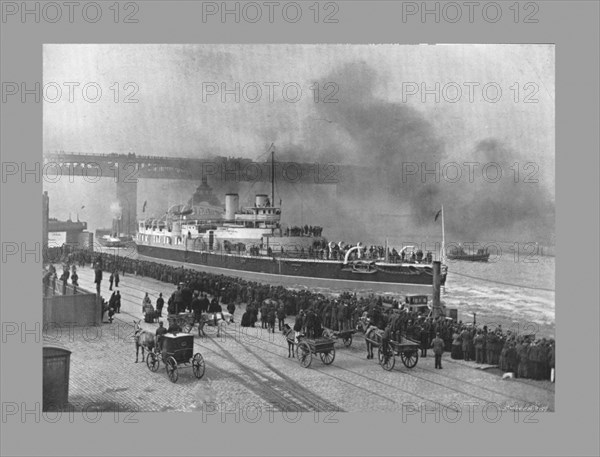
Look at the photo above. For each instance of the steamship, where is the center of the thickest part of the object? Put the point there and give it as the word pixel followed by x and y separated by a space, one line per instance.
pixel 253 239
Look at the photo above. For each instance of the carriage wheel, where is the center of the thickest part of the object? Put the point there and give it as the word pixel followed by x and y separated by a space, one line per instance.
pixel 387 363
pixel 198 365
pixel 328 357
pixel 171 365
pixel 348 341
pixel 304 355
pixel 153 362
pixel 409 358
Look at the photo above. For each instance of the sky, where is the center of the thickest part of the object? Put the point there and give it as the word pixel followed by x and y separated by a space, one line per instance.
pixel 377 119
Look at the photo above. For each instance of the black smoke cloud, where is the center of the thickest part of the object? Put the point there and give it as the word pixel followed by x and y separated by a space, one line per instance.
pixel 382 136
pixel 514 206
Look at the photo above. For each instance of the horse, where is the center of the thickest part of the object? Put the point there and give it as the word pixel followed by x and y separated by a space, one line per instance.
pixel 288 332
pixel 143 339
pixel 214 320
pixel 372 333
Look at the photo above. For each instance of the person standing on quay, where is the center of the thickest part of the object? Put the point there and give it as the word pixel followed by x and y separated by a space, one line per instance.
pixel 465 337
pixel 438 349
pixel 98 278
pixel 478 341
pixel 160 302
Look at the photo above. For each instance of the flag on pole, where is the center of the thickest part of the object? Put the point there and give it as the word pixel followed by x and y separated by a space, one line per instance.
pixel 437 215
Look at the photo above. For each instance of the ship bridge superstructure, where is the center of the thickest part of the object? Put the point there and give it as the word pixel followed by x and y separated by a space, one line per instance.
pixel 261 215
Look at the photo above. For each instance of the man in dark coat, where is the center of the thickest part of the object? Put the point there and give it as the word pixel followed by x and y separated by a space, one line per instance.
pixel 247 319
pixel 160 332
pixel 160 303
pixel 465 337
pixel 271 314
pixel 281 316
pixel 424 340
pixel 298 322
pixel 204 304
pixel 438 349
pixel 491 348
pixel 178 300
pixel 186 298
pixel 264 309
pixel 215 307
pixel 64 278
pixel 118 302
pixel 523 359
pixel 478 342
pixel 98 279
pixel 195 306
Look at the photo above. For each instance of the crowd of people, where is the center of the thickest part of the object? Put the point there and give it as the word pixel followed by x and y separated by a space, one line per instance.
pixel 320 249
pixel 523 355
pixel 307 230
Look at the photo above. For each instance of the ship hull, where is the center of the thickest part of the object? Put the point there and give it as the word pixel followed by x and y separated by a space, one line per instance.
pixel 346 276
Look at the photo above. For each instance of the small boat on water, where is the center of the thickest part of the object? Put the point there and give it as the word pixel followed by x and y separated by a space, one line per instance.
pixel 116 242
pixel 458 253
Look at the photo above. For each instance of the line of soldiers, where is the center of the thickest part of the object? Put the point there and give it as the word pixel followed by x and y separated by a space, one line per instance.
pixel 523 355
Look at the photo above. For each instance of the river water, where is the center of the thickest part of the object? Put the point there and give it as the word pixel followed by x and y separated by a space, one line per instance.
pixel 514 291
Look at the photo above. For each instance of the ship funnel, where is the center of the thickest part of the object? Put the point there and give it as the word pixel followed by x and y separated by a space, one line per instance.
pixel 261 200
pixel 231 206
pixel 176 228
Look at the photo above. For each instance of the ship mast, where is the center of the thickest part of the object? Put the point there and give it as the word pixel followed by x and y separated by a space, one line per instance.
pixel 443 251
pixel 272 175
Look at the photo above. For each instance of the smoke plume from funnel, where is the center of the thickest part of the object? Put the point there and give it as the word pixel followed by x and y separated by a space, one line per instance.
pixel 115 210
pixel 363 128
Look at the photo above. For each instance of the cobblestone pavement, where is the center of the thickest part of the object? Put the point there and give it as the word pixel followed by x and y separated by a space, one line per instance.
pixel 248 371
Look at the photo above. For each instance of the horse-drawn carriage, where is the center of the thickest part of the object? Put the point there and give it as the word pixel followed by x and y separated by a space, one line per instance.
pixel 306 347
pixel 176 349
pixel 407 349
pixel 344 335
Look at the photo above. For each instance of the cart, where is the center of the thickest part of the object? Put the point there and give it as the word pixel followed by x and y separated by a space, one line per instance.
pixel 407 349
pixel 306 347
pixel 344 335
pixel 177 349
pixel 184 320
